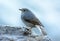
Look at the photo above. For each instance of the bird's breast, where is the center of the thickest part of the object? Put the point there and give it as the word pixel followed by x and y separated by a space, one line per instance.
pixel 27 16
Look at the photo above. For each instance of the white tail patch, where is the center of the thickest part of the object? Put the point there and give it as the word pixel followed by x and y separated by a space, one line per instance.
pixel 41 29
pixel 38 28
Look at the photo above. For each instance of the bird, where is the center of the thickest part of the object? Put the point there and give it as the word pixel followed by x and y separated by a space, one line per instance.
pixel 29 19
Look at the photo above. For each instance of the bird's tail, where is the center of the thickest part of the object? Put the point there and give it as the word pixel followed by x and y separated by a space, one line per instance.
pixel 42 29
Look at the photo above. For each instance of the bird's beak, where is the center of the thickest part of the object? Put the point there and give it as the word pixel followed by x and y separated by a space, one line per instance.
pixel 20 9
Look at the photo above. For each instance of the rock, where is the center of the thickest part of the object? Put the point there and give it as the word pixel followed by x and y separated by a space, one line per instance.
pixel 8 33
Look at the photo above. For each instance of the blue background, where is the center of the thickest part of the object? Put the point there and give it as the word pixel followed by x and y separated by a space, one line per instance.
pixel 48 12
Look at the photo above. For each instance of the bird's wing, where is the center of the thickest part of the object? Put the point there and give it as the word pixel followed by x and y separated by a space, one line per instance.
pixel 33 20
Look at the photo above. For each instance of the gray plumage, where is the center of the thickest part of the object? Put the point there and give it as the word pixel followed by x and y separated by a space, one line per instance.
pixel 29 18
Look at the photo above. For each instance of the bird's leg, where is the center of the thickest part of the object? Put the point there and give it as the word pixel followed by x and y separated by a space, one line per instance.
pixel 27 31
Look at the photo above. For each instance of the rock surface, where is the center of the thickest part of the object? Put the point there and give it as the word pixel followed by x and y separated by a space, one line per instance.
pixel 8 33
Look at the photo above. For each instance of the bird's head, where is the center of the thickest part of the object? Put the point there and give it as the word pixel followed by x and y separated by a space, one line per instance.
pixel 24 10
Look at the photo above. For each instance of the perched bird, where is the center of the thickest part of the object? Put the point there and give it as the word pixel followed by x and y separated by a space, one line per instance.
pixel 29 19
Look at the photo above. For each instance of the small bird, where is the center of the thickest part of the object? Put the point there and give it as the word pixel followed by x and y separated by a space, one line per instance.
pixel 29 19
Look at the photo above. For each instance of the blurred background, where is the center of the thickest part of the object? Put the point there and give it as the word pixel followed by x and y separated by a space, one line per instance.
pixel 48 12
